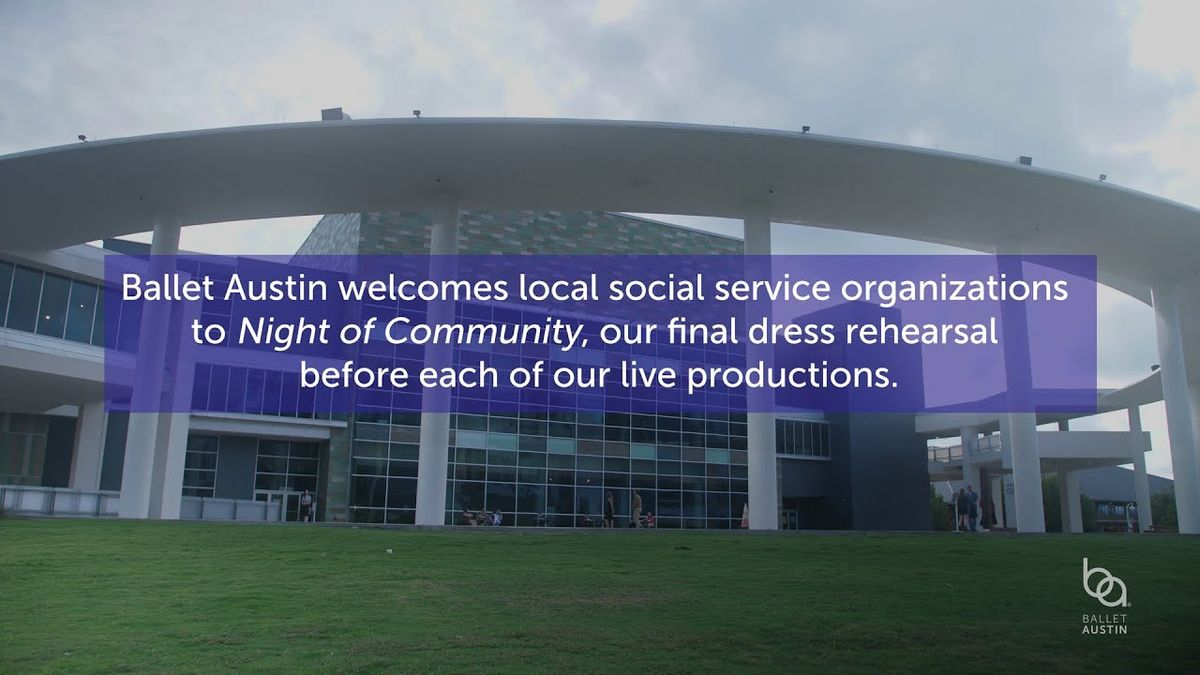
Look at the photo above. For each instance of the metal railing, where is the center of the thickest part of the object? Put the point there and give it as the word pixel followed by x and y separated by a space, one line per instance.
pixel 214 508
pixel 954 453
pixel 35 500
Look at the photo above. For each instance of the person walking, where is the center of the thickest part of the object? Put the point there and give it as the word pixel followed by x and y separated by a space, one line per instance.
pixel 635 520
pixel 306 507
pixel 609 510
pixel 973 508
pixel 962 505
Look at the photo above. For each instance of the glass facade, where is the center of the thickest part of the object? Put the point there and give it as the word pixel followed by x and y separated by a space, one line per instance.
pixel 200 466
pixel 802 438
pixel 281 465
pixel 48 304
pixel 535 466
pixel 292 466
pixel 22 448
pixel 556 469
pixel 553 468
pixel 256 391
pixel 383 481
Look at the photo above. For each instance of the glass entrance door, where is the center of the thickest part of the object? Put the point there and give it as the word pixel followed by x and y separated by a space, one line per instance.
pixel 789 519
pixel 288 501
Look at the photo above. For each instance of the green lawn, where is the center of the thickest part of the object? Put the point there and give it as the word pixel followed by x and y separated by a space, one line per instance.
pixel 175 597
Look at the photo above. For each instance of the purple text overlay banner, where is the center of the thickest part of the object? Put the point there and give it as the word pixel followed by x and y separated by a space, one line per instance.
pixel 331 335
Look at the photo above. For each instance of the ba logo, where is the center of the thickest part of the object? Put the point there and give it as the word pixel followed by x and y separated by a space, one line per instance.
pixel 1105 589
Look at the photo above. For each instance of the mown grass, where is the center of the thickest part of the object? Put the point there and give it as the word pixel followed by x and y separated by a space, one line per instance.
pixel 120 596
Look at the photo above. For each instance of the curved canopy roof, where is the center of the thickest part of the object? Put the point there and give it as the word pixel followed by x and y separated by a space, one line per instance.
pixel 70 194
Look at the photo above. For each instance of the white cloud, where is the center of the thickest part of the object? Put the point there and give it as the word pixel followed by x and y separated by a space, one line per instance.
pixel 1164 41
pixel 1085 87
pixel 608 11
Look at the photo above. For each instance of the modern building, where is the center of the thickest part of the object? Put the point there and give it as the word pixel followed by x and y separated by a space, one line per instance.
pixel 446 186
pixel 690 469
pixel 1112 491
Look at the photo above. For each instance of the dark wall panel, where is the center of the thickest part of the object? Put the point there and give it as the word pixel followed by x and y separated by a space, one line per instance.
pixel 113 463
pixel 237 458
pixel 890 473
pixel 804 477
pixel 60 446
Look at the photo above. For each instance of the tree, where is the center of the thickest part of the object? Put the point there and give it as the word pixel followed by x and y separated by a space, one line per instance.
pixel 939 511
pixel 1053 511
pixel 1162 507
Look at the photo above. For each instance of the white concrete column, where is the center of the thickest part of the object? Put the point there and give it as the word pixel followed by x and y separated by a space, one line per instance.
pixel 1141 483
pixel 998 502
pixel 1194 395
pixel 137 477
pixel 433 453
pixel 1010 510
pixel 760 426
pixel 89 446
pixel 1179 412
pixel 170 457
pixel 969 438
pixel 170 454
pixel 1068 501
pixel 1070 510
pixel 1020 439
pixel 1064 504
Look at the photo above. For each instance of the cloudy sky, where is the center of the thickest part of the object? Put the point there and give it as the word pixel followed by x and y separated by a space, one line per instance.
pixel 1085 87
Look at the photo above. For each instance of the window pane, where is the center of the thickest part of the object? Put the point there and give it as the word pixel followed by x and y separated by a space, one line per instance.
pixel 269 481
pixel 267 464
pixel 218 384
pixel 717 456
pixel 402 493
pixel 254 391
pixel 23 305
pixel 502 458
pixel 198 443
pixel 272 447
pixel 498 441
pixel 469 495
pixel 81 313
pixel 641 451
pixel 237 390
pixel 469 439
pixel 369 491
pixel 531 498
pixel 305 450
pixel 200 460
pixel 199 479
pixel 303 466
pixel 98 322
pixel 6 271
pixel 560 499
pixel 271 391
pixel 501 496
pixel 52 317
